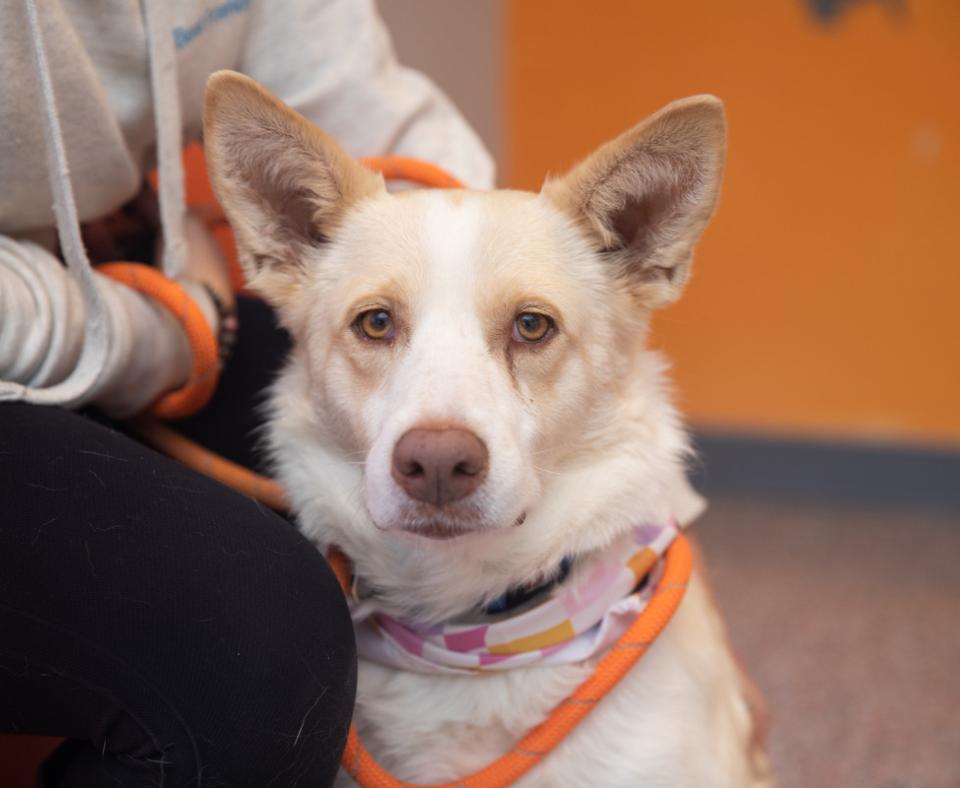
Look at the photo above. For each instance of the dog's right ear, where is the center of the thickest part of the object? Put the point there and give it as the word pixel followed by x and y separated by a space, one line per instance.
pixel 283 184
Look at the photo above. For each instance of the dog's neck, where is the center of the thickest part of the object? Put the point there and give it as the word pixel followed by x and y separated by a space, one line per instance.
pixel 573 622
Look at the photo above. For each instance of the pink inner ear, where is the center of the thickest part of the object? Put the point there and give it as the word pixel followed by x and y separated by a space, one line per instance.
pixel 292 210
pixel 649 203
pixel 638 223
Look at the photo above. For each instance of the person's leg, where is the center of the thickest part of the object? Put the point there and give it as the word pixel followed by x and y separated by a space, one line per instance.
pixel 177 632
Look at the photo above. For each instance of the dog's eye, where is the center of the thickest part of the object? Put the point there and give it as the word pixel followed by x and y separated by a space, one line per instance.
pixel 376 324
pixel 531 327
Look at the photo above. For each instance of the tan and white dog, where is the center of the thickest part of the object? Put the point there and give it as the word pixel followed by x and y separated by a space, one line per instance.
pixel 470 400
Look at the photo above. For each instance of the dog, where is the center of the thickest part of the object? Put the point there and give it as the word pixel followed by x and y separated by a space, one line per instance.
pixel 470 408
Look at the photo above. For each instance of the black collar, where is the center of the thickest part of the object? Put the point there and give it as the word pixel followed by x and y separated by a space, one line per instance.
pixel 515 597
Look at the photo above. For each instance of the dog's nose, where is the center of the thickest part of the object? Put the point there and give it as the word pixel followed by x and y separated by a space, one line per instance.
pixel 439 466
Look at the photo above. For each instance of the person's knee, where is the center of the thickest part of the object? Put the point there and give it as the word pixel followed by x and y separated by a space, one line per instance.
pixel 286 658
pixel 220 607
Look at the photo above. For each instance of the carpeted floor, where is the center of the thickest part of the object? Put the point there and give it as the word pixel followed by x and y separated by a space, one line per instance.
pixel 849 620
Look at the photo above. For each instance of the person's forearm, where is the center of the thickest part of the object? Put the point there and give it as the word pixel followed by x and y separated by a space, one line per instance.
pixel 157 357
pixel 42 325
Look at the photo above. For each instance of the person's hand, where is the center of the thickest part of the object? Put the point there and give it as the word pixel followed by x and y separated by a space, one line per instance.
pixel 128 234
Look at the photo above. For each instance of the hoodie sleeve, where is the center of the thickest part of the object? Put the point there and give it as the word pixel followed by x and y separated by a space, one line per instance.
pixel 42 330
pixel 332 61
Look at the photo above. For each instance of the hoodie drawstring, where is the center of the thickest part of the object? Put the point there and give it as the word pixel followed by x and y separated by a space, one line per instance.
pixel 166 110
pixel 97 334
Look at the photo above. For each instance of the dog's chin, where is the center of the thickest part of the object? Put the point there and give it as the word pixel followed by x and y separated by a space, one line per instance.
pixel 439 531
pixel 445 529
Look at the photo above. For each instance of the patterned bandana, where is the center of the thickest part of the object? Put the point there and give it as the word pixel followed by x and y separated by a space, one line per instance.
pixel 576 621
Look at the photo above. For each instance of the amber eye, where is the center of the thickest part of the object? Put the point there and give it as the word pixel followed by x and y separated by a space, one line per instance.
pixel 531 327
pixel 376 324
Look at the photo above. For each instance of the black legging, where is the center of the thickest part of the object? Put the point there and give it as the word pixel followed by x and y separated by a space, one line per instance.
pixel 177 633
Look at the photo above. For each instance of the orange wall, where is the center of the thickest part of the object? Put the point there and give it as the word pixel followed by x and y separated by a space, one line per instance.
pixel 826 294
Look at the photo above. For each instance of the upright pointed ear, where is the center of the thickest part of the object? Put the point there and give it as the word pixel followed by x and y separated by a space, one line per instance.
pixel 283 183
pixel 645 198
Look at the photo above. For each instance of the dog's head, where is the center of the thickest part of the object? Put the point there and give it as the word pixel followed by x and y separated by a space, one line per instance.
pixel 460 353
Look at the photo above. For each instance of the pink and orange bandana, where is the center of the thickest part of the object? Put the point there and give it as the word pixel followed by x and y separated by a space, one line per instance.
pixel 577 620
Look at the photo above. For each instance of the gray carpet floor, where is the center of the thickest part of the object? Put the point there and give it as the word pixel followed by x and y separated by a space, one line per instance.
pixel 848 619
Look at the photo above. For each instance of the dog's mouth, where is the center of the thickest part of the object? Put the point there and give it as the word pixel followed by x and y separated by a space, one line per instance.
pixel 440 530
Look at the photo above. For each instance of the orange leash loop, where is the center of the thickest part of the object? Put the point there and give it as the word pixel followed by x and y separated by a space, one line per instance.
pixel 624 654
pixel 204 364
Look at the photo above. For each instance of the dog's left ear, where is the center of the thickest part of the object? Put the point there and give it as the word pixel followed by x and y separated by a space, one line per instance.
pixel 283 183
pixel 646 197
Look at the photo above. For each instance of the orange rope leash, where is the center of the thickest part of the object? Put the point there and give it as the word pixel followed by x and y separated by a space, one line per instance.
pixel 204 360
pixel 196 457
pixel 357 760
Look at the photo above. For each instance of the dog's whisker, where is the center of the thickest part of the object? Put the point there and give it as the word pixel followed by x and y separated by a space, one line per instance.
pixel 546 470
pixel 557 448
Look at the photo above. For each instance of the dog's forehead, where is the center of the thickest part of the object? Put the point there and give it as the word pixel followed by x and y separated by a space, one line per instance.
pixel 455 245
pixel 452 234
pixel 461 232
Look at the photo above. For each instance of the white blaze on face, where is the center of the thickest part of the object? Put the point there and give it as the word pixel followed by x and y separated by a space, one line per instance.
pixel 449 373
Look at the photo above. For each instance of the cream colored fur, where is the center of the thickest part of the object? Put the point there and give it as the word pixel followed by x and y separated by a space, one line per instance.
pixel 582 437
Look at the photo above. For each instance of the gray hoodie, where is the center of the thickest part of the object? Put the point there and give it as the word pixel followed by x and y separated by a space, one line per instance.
pixel 94 92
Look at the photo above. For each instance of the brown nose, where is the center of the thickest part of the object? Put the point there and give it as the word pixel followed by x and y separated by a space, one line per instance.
pixel 439 466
